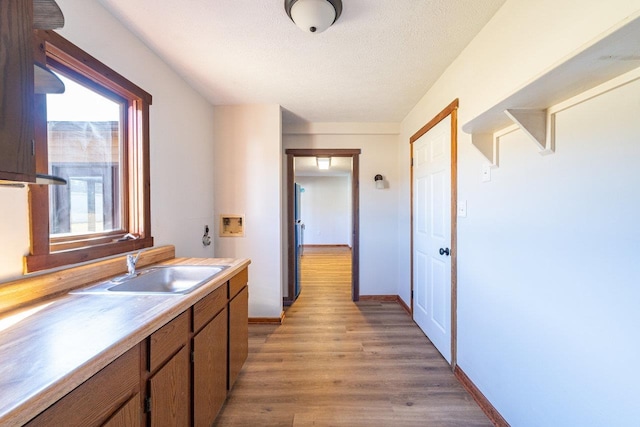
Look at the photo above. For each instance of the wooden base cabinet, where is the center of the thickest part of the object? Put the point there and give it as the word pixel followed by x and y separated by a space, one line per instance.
pixel 100 398
pixel 238 334
pixel 168 399
pixel 179 376
pixel 210 370
pixel 169 392
pixel 128 415
pixel 190 387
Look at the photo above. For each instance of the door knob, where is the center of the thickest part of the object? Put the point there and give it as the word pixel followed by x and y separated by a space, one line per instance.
pixel 444 251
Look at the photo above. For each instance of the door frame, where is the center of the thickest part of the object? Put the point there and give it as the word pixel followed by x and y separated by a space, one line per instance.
pixel 292 153
pixel 451 109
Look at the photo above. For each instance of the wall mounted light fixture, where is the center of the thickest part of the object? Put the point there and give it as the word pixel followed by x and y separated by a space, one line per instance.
pixel 313 16
pixel 324 163
pixel 379 180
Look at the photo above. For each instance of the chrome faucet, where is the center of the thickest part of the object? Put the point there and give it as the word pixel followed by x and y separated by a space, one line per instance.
pixel 131 264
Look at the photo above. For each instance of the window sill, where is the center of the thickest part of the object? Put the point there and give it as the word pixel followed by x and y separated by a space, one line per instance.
pixel 34 263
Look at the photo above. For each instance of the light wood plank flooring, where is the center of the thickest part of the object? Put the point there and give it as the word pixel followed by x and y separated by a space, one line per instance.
pixel 338 363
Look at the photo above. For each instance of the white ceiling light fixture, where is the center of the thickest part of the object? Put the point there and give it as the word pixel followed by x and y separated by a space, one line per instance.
pixel 324 163
pixel 313 16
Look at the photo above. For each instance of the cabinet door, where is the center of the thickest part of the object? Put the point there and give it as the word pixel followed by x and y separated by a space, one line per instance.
pixel 238 334
pixel 17 162
pixel 94 401
pixel 210 370
pixel 129 415
pixel 169 392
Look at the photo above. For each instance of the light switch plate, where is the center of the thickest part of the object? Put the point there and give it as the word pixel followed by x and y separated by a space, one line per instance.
pixel 462 208
pixel 486 173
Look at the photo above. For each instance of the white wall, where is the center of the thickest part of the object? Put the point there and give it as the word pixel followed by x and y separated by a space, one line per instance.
pixel 326 209
pixel 14 231
pixel 378 213
pixel 248 176
pixel 547 257
pixel 557 274
pixel 181 141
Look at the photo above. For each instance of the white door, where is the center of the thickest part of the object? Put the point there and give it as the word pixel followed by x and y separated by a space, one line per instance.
pixel 432 235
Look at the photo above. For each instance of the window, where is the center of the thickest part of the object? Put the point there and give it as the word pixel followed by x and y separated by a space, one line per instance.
pixel 95 136
pixel 85 147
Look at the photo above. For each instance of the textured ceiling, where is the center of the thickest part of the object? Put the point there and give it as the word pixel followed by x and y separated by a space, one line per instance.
pixel 372 65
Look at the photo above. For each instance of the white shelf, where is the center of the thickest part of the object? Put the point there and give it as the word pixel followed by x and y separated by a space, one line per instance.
pixel 612 54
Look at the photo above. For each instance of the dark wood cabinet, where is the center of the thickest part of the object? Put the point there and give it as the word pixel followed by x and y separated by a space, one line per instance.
pixel 129 414
pixel 169 385
pixel 20 79
pixel 96 400
pixel 17 162
pixel 178 376
pixel 210 370
pixel 238 334
pixel 166 341
pixel 169 392
pixel 218 343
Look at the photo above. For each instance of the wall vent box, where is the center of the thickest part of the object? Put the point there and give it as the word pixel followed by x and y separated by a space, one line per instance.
pixel 231 225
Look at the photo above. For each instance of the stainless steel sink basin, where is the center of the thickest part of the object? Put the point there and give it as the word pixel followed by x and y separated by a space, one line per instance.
pixel 170 279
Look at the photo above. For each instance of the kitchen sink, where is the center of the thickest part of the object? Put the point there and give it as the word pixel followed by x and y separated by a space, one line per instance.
pixel 169 279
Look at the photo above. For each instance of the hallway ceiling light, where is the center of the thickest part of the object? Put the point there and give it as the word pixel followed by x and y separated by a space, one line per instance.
pixel 324 163
pixel 313 16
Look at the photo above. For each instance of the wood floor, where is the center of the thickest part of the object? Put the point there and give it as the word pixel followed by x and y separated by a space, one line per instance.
pixel 338 363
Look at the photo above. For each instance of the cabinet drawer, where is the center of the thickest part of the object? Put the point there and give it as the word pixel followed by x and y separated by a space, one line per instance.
pixel 238 282
pixel 206 309
pixel 95 400
pixel 166 341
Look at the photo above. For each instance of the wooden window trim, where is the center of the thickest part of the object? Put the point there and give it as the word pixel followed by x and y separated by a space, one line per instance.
pixel 45 253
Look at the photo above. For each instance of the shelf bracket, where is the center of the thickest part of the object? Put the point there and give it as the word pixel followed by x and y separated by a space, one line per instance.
pixel 606 62
pixel 537 125
pixel 487 144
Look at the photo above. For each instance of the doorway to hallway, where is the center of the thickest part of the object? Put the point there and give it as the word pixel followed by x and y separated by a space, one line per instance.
pixel 295 227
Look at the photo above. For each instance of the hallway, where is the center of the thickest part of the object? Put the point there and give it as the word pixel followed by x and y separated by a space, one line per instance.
pixel 338 363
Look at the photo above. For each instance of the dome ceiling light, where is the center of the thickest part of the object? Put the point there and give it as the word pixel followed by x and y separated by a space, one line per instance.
pixel 313 16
